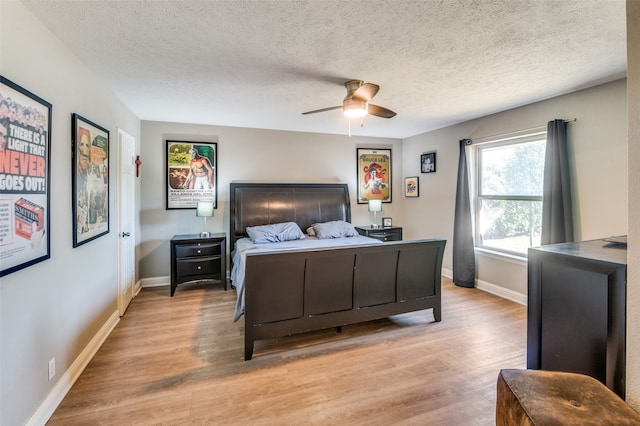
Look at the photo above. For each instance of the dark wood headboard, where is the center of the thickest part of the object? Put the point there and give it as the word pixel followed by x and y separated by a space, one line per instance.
pixel 253 204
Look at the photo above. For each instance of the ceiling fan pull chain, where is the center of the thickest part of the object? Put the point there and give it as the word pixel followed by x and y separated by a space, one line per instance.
pixel 349 127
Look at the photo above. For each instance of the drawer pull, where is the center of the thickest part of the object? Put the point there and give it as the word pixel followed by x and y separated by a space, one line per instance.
pixel 199 267
pixel 199 251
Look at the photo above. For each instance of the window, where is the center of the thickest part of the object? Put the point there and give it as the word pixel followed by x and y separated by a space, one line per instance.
pixel 508 207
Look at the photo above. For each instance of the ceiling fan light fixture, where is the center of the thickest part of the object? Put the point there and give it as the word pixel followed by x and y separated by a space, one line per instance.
pixel 355 109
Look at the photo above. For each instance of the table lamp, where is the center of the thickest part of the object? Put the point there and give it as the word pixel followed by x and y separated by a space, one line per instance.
pixel 375 206
pixel 205 209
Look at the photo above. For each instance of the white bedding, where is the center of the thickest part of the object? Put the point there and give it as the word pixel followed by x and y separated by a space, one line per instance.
pixel 244 246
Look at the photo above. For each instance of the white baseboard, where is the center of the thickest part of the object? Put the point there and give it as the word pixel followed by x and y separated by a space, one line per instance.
pixel 500 291
pixel 155 281
pixel 447 273
pixel 63 385
pixel 496 290
pixel 158 281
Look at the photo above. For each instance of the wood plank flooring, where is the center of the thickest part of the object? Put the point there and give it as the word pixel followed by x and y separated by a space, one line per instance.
pixel 175 361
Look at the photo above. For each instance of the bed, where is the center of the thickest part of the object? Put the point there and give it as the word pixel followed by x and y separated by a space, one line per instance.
pixel 291 288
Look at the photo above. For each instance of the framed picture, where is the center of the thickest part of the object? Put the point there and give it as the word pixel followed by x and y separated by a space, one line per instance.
pixel 411 186
pixel 386 222
pixel 90 180
pixel 374 175
pixel 428 162
pixel 25 185
pixel 192 174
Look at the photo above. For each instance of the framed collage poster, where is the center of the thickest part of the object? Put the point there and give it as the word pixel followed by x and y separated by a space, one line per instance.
pixel 374 175
pixel 192 174
pixel 90 180
pixel 25 131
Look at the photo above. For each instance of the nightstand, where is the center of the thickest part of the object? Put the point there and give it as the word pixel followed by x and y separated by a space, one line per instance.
pixel 390 233
pixel 196 258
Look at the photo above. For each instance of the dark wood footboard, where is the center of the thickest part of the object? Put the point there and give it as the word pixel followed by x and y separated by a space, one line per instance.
pixel 299 291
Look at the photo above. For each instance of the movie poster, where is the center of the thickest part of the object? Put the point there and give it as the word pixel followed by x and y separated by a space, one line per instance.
pixel 191 174
pixel 25 129
pixel 90 180
pixel 374 175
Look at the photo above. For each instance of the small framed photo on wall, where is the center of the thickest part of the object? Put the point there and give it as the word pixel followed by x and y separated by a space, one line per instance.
pixel 411 186
pixel 428 162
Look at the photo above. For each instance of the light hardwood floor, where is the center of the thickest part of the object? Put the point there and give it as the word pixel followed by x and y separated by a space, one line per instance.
pixel 175 361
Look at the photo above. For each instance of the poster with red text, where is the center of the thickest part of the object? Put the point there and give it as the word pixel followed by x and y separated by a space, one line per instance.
pixel 25 129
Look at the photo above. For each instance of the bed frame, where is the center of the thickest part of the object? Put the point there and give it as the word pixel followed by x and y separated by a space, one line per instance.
pixel 298 291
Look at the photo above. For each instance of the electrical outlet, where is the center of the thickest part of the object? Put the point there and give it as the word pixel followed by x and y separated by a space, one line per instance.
pixel 52 367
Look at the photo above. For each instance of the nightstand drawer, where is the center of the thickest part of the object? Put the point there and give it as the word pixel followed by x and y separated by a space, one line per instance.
pixel 198 266
pixel 199 249
pixel 385 235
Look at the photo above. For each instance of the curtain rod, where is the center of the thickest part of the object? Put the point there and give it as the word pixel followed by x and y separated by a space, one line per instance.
pixel 518 132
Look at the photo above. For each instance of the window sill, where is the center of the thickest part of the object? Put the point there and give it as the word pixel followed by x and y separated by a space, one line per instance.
pixel 520 260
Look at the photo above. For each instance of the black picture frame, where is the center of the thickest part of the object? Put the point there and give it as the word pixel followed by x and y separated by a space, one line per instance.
pixel 90 180
pixel 412 186
pixel 25 195
pixel 373 161
pixel 184 187
pixel 387 222
pixel 428 162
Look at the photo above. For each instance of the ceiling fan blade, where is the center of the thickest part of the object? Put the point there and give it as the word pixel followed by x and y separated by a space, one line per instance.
pixel 322 110
pixel 379 111
pixel 366 92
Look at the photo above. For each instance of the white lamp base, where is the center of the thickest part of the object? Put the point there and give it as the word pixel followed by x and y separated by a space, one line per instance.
pixel 205 234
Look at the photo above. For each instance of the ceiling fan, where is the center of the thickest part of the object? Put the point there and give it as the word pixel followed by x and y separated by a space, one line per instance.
pixel 356 103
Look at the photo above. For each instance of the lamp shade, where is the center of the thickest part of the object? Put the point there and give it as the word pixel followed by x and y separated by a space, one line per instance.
pixel 204 208
pixel 375 205
pixel 355 108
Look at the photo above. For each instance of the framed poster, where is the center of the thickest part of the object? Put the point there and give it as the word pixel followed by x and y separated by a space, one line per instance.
pixel 25 131
pixel 412 186
pixel 192 174
pixel 90 180
pixel 428 162
pixel 374 175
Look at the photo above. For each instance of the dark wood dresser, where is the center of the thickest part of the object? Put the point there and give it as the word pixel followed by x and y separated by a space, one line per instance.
pixel 577 310
pixel 196 258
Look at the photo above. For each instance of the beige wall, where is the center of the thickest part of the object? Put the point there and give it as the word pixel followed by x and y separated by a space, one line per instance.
pixel 598 149
pixel 54 308
pixel 598 159
pixel 633 255
pixel 246 154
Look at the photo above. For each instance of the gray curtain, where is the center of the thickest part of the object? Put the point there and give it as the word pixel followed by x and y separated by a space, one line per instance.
pixel 464 259
pixel 557 213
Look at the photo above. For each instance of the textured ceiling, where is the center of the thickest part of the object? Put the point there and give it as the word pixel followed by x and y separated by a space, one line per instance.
pixel 260 64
